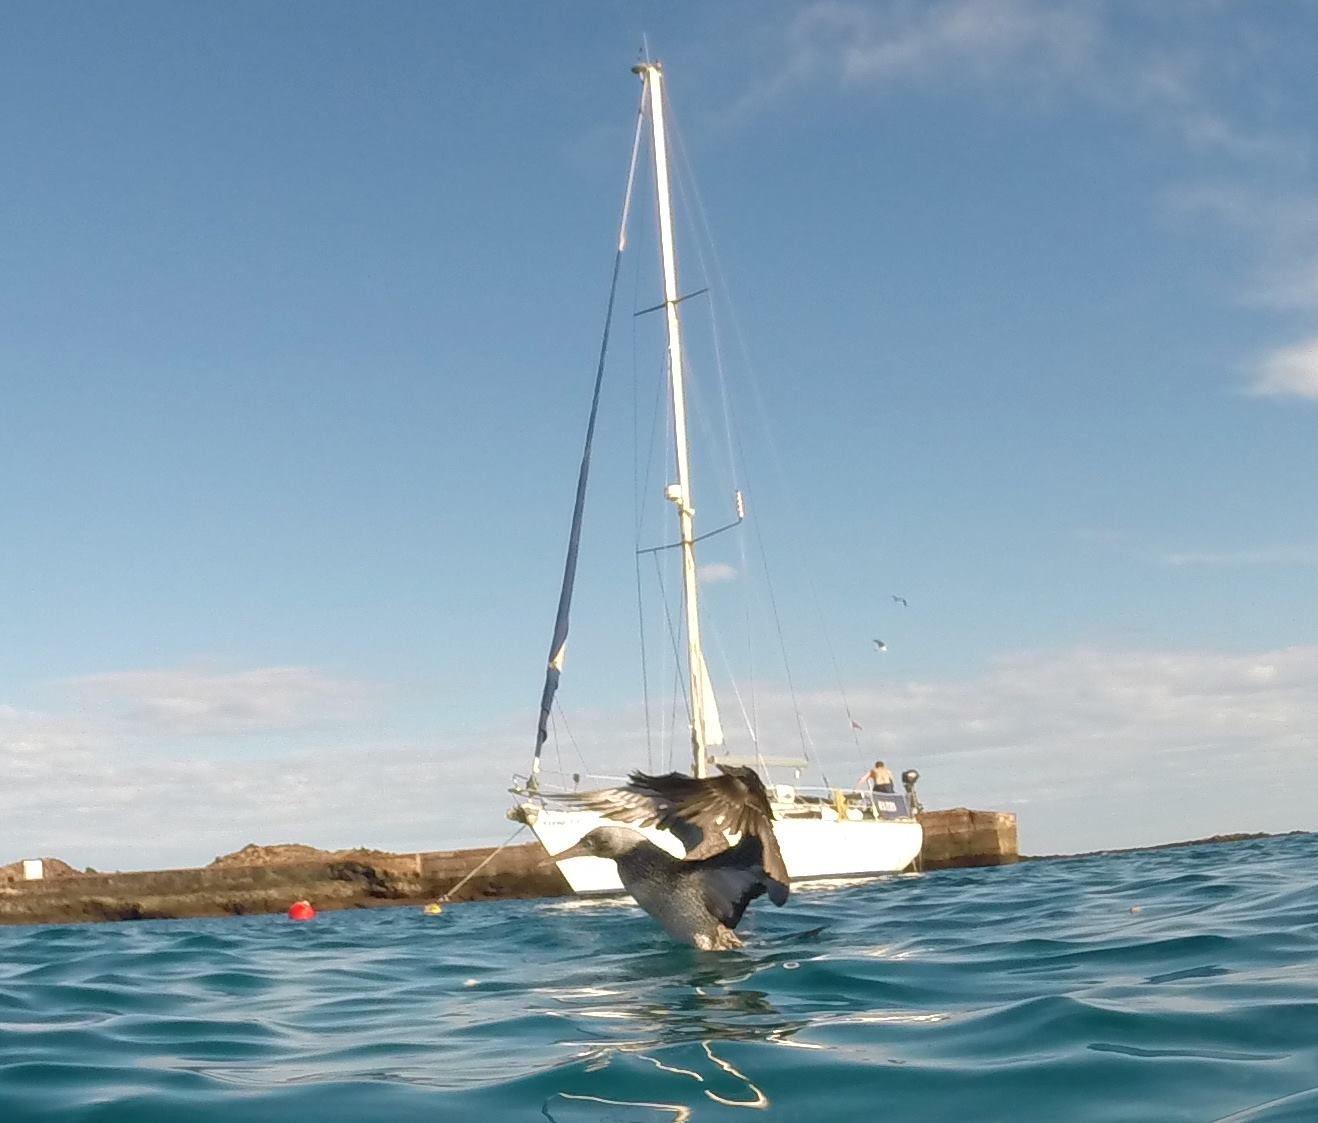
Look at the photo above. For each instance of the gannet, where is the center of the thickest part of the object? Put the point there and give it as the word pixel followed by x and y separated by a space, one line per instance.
pixel 697 901
pixel 701 812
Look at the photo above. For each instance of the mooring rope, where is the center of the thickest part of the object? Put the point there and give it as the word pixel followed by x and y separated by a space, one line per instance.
pixel 484 862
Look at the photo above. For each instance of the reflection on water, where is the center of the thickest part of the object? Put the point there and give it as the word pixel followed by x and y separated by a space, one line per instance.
pixel 754 1097
pixel 683 1005
pixel 669 1002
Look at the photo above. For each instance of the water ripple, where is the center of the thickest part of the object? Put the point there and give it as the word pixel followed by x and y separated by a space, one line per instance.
pixel 1177 985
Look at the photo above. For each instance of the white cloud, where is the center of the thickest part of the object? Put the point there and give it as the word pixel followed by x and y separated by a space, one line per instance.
pixel 1179 77
pixel 1155 68
pixel 715 573
pixel 1206 81
pixel 1282 231
pixel 192 702
pixel 1289 286
pixel 1289 372
pixel 874 44
pixel 96 798
pixel 1276 555
pixel 1116 748
pixel 1094 748
pixel 867 45
pixel 33 743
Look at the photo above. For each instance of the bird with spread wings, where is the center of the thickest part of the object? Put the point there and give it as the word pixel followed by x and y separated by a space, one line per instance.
pixel 700 812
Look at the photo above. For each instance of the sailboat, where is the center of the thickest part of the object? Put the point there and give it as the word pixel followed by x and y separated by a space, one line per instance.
pixel 822 832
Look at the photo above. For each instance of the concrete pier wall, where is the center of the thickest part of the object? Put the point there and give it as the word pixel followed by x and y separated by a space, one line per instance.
pixel 960 837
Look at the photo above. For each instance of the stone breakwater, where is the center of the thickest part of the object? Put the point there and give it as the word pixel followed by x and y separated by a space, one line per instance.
pixel 268 879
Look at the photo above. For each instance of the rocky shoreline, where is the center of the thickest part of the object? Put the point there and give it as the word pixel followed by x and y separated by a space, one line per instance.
pixel 1209 841
pixel 267 879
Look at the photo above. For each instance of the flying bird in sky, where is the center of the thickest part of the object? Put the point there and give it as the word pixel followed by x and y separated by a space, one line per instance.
pixel 900 600
pixel 879 645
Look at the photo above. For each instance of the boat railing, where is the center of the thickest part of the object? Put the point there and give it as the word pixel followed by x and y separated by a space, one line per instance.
pixel 549 784
pixel 790 801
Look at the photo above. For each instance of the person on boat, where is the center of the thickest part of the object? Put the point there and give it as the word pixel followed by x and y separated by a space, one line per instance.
pixel 879 777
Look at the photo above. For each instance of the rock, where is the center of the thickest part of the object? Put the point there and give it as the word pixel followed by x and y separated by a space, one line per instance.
pixel 52 869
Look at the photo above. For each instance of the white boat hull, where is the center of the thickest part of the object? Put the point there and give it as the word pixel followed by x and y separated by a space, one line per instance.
pixel 813 847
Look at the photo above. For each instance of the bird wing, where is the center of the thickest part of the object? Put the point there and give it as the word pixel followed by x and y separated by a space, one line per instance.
pixel 735 803
pixel 642 804
pixel 733 879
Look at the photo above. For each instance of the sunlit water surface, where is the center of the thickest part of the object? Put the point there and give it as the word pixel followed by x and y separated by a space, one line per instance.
pixel 1162 986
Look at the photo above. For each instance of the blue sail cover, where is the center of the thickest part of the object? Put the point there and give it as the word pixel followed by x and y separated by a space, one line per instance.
pixel 558 644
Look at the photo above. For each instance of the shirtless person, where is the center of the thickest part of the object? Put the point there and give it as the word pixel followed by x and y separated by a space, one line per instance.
pixel 879 776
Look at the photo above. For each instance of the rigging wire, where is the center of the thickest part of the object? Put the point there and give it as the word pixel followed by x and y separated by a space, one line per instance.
pixel 645 671
pixel 673 634
pixel 639 517
pixel 660 421
pixel 732 456
pixel 640 490
pixel 714 271
pixel 735 451
pixel 562 716
pixel 678 691
pixel 782 647
pixel 735 455
pixel 741 705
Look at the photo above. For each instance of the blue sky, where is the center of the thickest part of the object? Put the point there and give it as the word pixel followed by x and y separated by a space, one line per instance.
pixel 297 323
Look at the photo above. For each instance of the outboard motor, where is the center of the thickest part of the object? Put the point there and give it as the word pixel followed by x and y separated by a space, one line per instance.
pixel 909 778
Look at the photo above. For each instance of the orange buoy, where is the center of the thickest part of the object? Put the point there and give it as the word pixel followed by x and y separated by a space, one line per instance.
pixel 301 910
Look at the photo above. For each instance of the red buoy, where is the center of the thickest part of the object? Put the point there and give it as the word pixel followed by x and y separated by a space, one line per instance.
pixel 301 910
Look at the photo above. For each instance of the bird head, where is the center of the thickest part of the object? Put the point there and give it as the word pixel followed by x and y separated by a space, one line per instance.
pixel 603 842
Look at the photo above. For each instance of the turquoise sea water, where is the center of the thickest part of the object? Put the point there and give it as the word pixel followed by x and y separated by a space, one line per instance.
pixel 1160 986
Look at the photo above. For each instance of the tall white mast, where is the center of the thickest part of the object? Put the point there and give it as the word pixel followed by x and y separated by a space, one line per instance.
pixel 704 714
